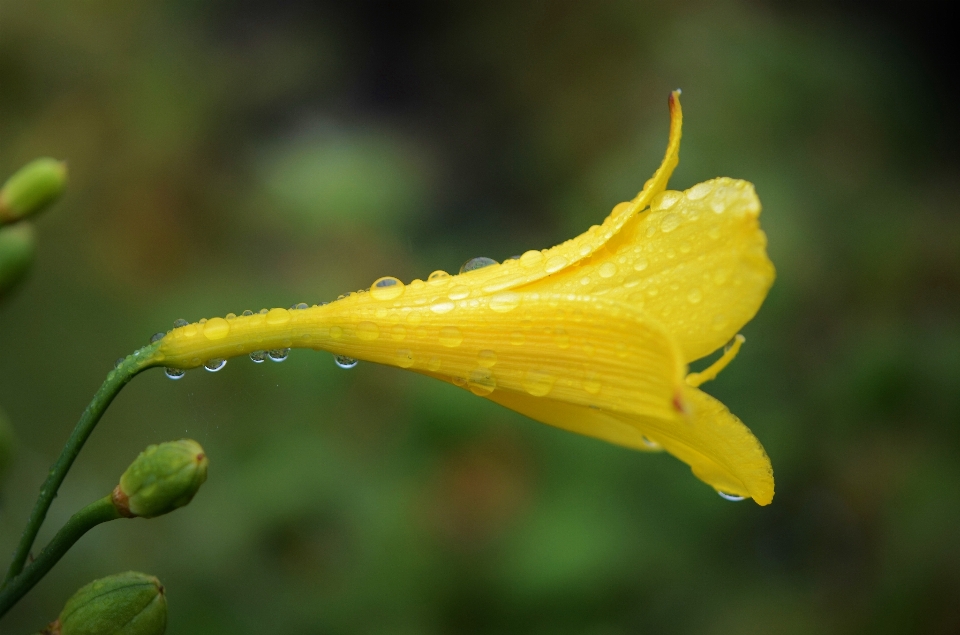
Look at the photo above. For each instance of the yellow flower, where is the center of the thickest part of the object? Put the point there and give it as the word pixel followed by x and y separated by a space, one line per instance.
pixel 593 335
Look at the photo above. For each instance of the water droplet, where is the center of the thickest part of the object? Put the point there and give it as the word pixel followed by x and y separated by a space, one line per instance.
pixel 387 288
pixel 450 336
pixel 264 311
pixel 247 313
pixel 258 357
pixel 506 301
pixel 301 306
pixel 584 281
pixel 202 321
pixel 607 270
pixel 217 328
pixel 517 338
pixel 530 258
pixel 670 222
pixel 119 361
pixel 665 200
pixel 278 316
pixel 398 332
pixel 459 292
pixel 439 274
pixel 592 383
pixel 345 362
pixel 487 358
pixel 213 365
pixel 434 364
pixel 720 322
pixel 699 191
pixel 368 331
pixel 640 264
pixel 694 296
pixel 177 324
pixel 278 354
pixel 554 264
pixel 538 383
pixel 336 332
pixel 517 257
pixel 442 307
pixel 477 263
pixel 404 358
pixel 650 443
pixel 481 381
pixel 731 497
pixel 156 337
pixel 174 373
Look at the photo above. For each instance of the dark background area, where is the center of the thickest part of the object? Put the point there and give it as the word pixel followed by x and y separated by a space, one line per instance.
pixel 235 155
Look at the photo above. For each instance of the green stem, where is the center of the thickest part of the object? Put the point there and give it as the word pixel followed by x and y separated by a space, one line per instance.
pixel 80 523
pixel 116 379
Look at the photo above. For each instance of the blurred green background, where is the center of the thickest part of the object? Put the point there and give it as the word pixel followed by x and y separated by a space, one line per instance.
pixel 237 155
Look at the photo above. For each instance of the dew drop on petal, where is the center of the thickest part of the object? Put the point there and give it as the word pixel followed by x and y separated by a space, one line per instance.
pixel 278 354
pixel 459 292
pixel 119 361
pixel 481 382
pixel 174 373
pixel 404 358
pixel 538 383
pixel 477 263
pixel 670 222
pixel 368 331
pixel 695 296
pixel 213 365
pixel 437 275
pixel 434 364
pixel 731 497
pixel 156 337
pixel 640 264
pixel 247 313
pixel 344 362
pixel 178 323
pixel 258 357
pixel 504 302
pixel 450 336
pixel 554 264
pixel 487 358
pixel 650 443
pixel 387 288
pixel 607 270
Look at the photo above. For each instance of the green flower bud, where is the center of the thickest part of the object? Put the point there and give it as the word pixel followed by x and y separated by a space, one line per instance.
pixel 16 254
pixel 128 603
pixel 163 478
pixel 32 188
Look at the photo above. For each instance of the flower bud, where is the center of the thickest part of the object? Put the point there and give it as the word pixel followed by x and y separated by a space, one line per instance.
pixel 128 603
pixel 16 254
pixel 163 478
pixel 32 188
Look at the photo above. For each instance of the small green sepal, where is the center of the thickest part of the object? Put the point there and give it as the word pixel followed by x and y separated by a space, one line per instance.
pixel 163 478
pixel 128 603
pixel 32 188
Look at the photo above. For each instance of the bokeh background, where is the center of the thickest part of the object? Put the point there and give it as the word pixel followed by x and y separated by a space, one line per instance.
pixel 235 155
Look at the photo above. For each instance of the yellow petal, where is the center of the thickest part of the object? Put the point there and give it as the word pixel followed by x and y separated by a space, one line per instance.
pixel 580 350
pixel 535 265
pixel 719 449
pixel 696 262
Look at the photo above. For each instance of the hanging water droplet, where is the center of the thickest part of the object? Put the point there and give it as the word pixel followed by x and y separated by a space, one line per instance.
pixel 178 323
pixel 174 373
pixel 213 365
pixel 651 443
pixel 278 354
pixel 258 357
pixel 247 313
pixel 477 263
pixel 345 362
pixel 731 497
